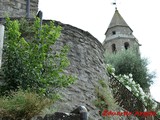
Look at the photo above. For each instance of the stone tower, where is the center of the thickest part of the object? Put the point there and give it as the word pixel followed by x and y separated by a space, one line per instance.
pixel 119 35
pixel 18 8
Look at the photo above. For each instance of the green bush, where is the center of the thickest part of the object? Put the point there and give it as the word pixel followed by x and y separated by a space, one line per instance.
pixel 29 62
pixel 126 62
pixel 22 105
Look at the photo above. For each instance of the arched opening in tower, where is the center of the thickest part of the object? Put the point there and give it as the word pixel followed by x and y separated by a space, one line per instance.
pixel 126 45
pixel 114 48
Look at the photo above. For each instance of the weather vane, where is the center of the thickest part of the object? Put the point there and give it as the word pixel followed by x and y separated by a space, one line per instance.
pixel 115 4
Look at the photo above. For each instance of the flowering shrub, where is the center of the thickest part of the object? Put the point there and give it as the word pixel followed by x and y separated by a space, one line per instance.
pixel 129 83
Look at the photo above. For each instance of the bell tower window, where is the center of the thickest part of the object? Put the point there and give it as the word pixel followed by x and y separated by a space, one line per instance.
pixel 126 45
pixel 113 32
pixel 114 48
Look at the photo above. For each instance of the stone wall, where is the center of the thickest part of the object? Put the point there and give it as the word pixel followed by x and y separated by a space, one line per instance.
pixel 17 8
pixel 86 58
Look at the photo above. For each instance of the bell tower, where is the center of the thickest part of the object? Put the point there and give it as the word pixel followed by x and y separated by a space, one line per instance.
pixel 119 35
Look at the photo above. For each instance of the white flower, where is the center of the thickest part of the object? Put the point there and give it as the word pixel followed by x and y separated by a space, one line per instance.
pixel 125 76
pixel 130 75
pixel 141 91
pixel 134 89
pixel 131 79
pixel 113 69
pixel 113 74
pixel 136 94
pixel 145 103
pixel 133 82
pixel 128 88
pixel 154 105
pixel 142 98
pixel 138 85
pixel 121 80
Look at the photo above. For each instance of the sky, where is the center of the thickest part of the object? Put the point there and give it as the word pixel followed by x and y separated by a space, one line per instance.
pixel 94 16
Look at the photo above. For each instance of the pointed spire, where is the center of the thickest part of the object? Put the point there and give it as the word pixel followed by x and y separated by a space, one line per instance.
pixel 117 20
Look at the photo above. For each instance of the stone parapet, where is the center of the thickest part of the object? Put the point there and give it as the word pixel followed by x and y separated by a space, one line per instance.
pixel 17 8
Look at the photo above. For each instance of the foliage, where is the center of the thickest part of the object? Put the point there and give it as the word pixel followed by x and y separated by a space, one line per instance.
pixel 126 62
pixel 30 63
pixel 158 114
pixel 105 100
pixel 129 83
pixel 22 105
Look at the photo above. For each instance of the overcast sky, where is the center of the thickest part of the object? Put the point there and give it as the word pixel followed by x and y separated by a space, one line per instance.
pixel 94 16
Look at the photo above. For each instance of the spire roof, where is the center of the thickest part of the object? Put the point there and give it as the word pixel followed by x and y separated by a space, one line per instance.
pixel 117 20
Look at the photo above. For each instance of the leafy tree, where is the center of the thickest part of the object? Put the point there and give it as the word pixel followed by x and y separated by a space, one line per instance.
pixel 30 63
pixel 128 61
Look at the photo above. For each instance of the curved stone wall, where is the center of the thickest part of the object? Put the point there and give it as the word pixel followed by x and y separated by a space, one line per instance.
pixel 86 58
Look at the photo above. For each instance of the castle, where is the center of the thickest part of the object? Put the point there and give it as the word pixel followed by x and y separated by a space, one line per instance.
pixel 86 54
